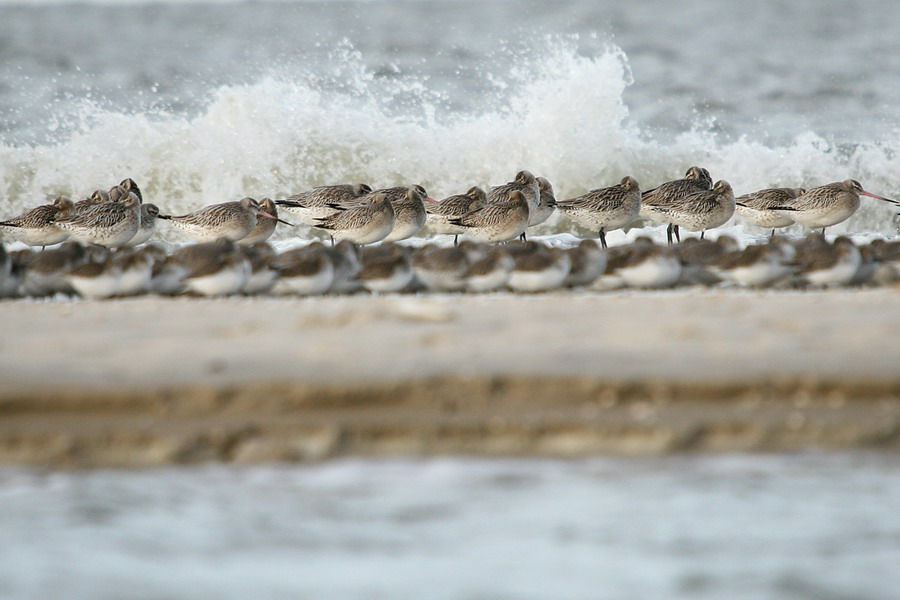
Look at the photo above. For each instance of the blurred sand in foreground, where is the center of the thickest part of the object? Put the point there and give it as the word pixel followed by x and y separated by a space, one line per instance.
pixel 156 380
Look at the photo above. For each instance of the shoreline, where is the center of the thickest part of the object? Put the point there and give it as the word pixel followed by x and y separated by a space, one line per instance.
pixel 155 381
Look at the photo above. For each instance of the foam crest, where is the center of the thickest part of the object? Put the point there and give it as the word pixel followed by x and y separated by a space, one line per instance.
pixel 558 113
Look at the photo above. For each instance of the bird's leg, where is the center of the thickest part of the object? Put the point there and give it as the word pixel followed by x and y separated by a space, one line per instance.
pixel 677 235
pixel 669 234
pixel 456 240
pixel 603 238
pixel 701 234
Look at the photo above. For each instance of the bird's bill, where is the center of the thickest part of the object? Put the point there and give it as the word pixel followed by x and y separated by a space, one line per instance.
pixel 871 195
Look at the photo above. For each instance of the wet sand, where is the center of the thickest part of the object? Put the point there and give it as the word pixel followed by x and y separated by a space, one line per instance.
pixel 154 381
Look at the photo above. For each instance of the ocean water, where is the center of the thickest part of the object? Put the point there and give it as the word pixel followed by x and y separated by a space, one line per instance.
pixel 822 526
pixel 204 102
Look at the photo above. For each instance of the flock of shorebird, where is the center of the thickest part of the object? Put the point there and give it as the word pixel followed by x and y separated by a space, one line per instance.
pixel 104 247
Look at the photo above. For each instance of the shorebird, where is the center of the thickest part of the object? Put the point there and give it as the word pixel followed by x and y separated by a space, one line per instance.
pixel 97 197
pixel 524 182
pixel 824 264
pixel 758 265
pixel 149 214
pixel 229 220
pixel 826 205
pixel 320 201
pixel 698 256
pixel 135 270
pixel 756 207
pixel 110 224
pixel 497 221
pixel 588 262
pixel 214 268
pixel 265 226
pixel 263 274
pixel 361 224
pixel 409 209
pixel 440 213
pixel 538 268
pixel 345 257
pixel 45 272
pixel 606 209
pixel 695 179
pixel 97 278
pixel 129 185
pixel 697 211
pixel 36 228
pixel 307 271
pixel 441 269
pixel 490 267
pixel 386 268
pixel 643 264
pixel 546 203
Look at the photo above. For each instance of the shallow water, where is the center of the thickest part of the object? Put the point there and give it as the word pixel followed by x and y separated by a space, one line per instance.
pixel 206 102
pixel 739 526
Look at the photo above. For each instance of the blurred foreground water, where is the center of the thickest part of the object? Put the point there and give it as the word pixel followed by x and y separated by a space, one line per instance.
pixel 734 526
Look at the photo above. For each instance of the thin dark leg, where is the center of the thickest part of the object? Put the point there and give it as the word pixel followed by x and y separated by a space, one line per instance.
pixel 332 240
pixel 823 232
pixel 522 237
pixel 702 233
pixel 677 235
pixel 456 240
pixel 773 234
pixel 603 238
pixel 669 234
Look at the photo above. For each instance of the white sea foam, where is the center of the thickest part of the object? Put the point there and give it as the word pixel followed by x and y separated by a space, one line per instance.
pixel 559 114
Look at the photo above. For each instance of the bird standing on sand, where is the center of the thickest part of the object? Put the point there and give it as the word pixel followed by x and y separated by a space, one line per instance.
pixel 756 207
pixel 826 205
pixel 109 224
pixel 697 211
pixel 36 228
pixel 606 209
pixel 362 224
pixel 320 202
pixel 497 221
pixel 695 179
pixel 440 213
pixel 265 226
pixel 228 220
pixel 409 210
pixel 546 203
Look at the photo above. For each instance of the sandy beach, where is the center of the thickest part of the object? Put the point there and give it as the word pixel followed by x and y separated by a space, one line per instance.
pixel 156 381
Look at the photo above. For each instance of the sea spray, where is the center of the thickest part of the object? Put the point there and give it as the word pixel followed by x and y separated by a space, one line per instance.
pixel 558 113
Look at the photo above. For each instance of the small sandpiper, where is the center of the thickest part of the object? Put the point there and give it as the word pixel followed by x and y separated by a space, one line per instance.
pixel 497 221
pixel 756 208
pixel 440 213
pixel 36 227
pixel 361 224
pixel 697 211
pixel 538 268
pixel 307 271
pixel 672 192
pixel 606 209
pixel 441 269
pixel 826 205
pixel 644 264
pixel 588 262
pixel 45 272
pixel 526 183
pixel 320 202
pixel 214 268
pixel 227 220
pixel 386 268
pixel 347 262
pixel 825 264
pixel 263 273
pixel 98 278
pixel 110 224
pixel 758 265
pixel 265 226
pixel 490 267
